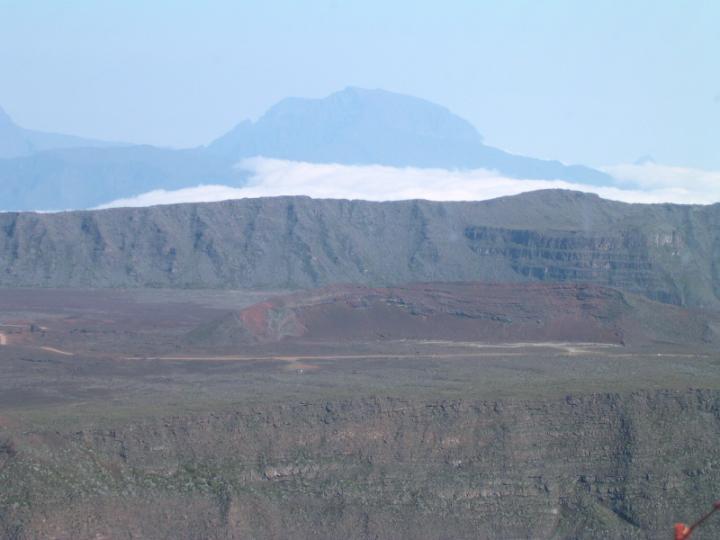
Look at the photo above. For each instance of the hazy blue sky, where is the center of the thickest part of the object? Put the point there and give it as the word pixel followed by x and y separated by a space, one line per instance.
pixel 598 82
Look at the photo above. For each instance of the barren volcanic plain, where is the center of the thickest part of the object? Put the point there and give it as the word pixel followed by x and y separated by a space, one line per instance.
pixel 433 410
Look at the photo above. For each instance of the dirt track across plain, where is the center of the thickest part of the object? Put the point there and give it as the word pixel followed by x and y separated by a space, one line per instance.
pixel 475 349
pixel 290 358
pixel 56 351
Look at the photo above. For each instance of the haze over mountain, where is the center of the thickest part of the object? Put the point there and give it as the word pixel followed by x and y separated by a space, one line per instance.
pixel 19 142
pixel 353 126
pixel 76 178
pixel 359 127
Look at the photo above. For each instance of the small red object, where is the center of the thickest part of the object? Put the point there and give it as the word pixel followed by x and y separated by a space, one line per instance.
pixel 682 531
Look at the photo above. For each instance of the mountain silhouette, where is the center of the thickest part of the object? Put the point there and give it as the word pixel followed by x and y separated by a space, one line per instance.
pixel 45 171
pixel 359 127
pixel 16 141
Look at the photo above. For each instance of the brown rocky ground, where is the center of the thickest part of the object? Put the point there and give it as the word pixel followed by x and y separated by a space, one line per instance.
pixel 486 312
pixel 135 433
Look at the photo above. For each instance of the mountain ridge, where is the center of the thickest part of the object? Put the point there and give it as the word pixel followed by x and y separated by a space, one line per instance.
pixel 665 252
pixel 18 142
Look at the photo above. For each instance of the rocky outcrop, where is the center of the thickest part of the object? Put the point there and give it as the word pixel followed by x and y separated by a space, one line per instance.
pixel 666 252
pixel 585 466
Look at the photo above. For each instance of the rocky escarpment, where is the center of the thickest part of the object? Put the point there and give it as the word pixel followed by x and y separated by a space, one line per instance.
pixel 585 466
pixel 622 259
pixel 665 252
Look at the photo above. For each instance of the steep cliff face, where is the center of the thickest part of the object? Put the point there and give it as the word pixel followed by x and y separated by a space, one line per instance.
pixel 666 252
pixel 586 466
pixel 625 259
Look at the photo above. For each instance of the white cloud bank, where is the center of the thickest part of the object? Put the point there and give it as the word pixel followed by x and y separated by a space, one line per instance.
pixel 648 183
pixel 653 176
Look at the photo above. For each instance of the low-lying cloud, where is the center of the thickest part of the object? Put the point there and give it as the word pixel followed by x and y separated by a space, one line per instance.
pixel 653 176
pixel 647 183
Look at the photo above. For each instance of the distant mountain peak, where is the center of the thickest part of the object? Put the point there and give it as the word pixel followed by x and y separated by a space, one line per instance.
pixel 353 126
pixel 359 112
pixel 360 126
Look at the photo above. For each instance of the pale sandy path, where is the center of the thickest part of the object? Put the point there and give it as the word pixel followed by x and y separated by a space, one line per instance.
pixel 56 351
pixel 491 350
pixel 4 341
pixel 323 356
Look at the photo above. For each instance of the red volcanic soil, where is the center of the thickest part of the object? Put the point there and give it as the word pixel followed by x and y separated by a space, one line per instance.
pixel 459 311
